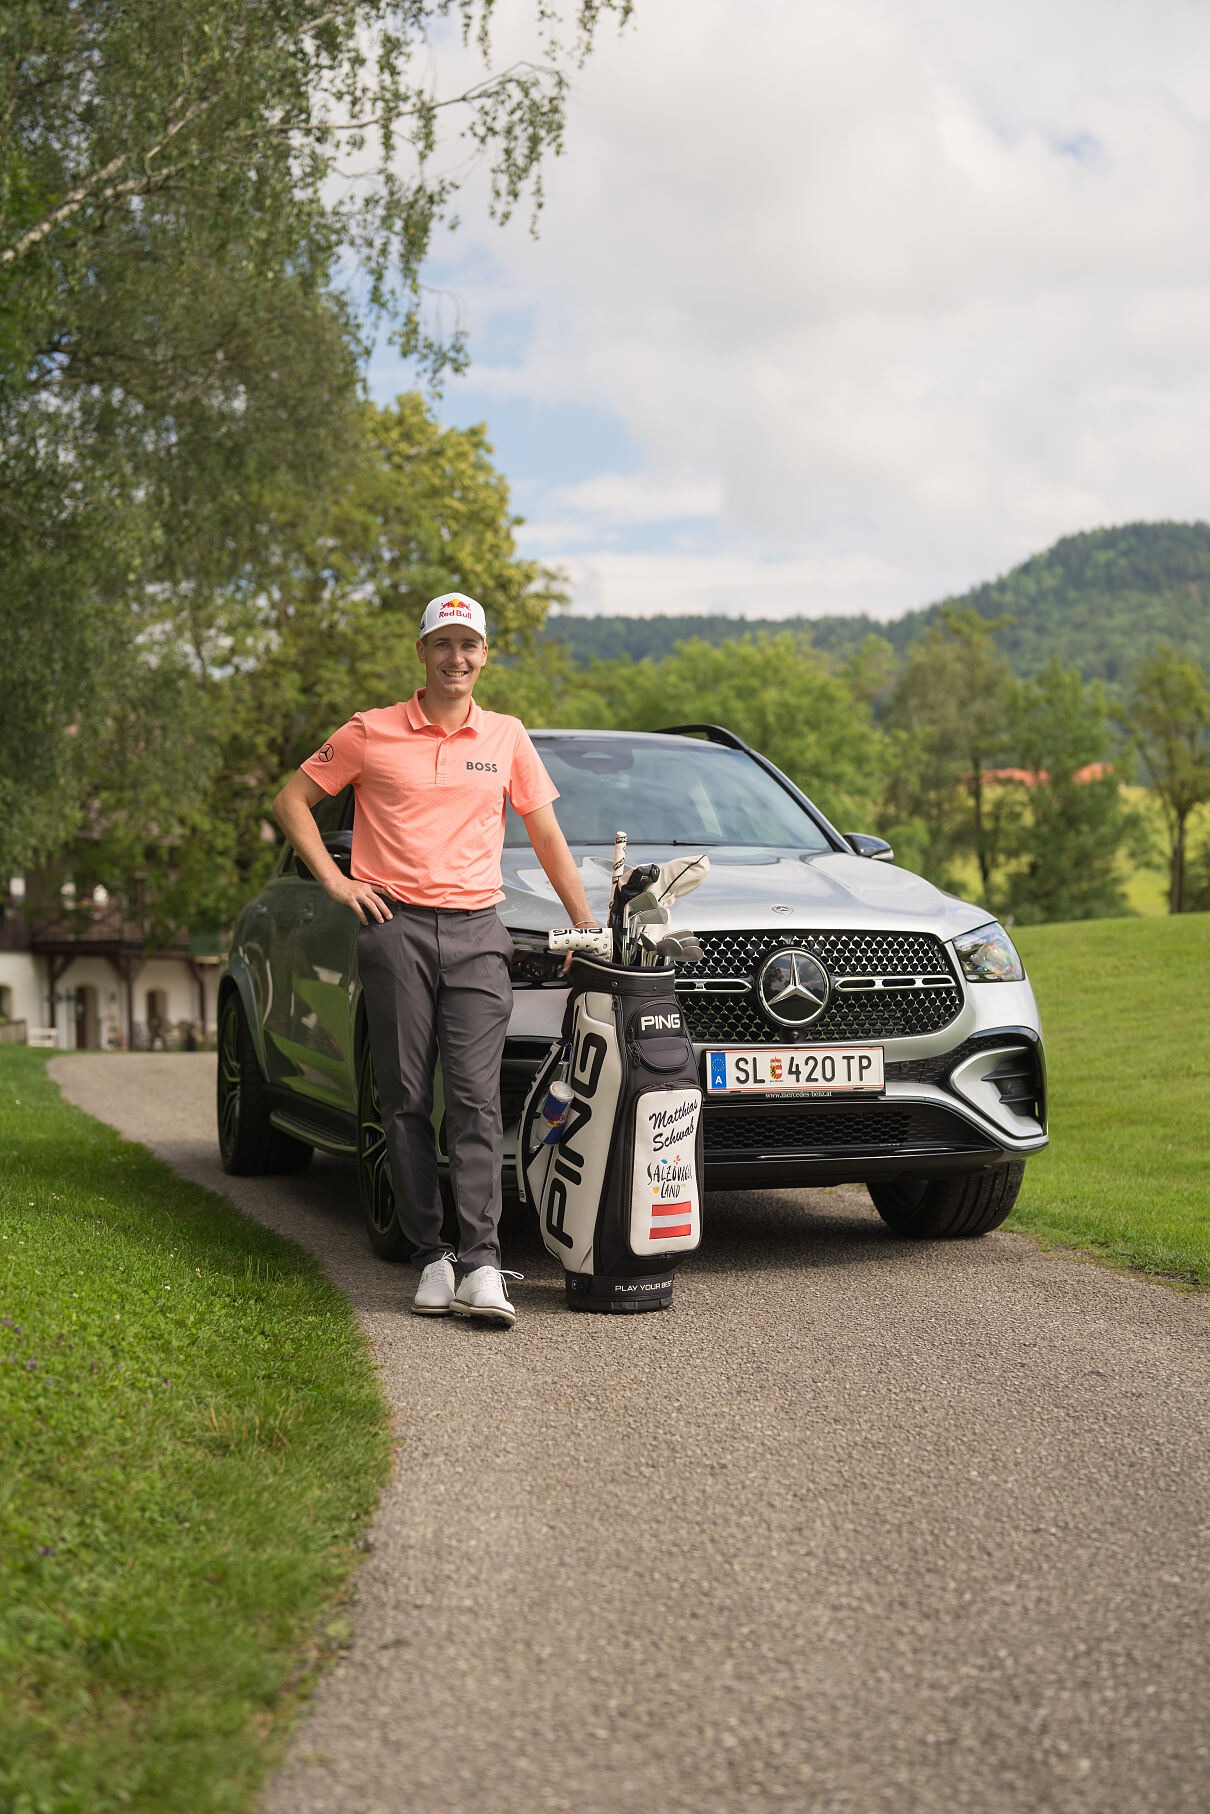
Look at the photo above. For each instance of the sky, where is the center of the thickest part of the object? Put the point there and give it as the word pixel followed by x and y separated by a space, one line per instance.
pixel 846 305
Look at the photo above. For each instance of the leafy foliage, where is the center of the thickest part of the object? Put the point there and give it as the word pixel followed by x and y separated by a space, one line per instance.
pixel 946 718
pixel 776 692
pixel 239 683
pixel 178 359
pixel 1170 716
pixel 1068 823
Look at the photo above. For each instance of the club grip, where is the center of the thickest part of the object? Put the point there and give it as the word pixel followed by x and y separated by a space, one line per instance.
pixel 598 942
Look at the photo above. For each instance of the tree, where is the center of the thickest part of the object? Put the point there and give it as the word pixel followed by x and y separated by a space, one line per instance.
pixel 237 686
pixel 776 692
pixel 1168 715
pixel 946 721
pixel 1071 821
pixel 126 128
pixel 178 357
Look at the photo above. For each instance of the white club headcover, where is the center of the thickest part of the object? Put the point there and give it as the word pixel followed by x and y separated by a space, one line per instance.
pixel 680 876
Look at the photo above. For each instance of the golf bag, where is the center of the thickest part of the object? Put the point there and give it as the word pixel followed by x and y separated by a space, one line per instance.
pixel 617 1183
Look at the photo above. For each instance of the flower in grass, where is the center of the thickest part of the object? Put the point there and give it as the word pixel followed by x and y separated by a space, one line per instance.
pixel 46 1549
pixel 31 1366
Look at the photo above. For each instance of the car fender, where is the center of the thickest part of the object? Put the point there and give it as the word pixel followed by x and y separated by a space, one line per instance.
pixel 237 976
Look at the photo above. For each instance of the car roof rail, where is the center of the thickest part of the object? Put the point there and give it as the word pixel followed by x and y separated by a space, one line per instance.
pixel 713 733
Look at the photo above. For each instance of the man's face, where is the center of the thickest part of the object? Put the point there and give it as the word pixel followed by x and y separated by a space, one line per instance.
pixel 453 659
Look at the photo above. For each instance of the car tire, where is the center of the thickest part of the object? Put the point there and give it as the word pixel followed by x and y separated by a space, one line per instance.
pixel 374 1185
pixel 248 1143
pixel 946 1209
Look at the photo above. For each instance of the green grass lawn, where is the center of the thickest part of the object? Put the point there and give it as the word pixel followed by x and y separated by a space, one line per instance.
pixel 191 1436
pixel 1127 1175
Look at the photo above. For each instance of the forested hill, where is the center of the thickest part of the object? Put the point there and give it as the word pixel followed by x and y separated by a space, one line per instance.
pixel 1098 600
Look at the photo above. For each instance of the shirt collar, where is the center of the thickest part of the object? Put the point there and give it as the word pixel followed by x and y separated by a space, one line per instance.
pixel 415 714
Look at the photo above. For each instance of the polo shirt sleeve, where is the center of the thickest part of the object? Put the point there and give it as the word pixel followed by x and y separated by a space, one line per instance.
pixel 529 785
pixel 341 759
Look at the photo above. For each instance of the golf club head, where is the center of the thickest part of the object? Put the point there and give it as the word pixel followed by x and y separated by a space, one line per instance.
pixel 663 944
pixel 641 920
pixel 638 879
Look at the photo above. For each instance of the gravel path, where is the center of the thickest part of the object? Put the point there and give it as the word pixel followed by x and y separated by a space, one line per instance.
pixel 859 1526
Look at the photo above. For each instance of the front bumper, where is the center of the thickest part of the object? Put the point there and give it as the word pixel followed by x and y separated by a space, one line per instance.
pixel 944 1108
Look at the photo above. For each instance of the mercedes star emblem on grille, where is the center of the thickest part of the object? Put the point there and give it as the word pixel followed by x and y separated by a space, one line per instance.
pixel 793 988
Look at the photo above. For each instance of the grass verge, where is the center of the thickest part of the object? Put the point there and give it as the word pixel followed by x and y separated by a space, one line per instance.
pixel 191 1436
pixel 1127 1175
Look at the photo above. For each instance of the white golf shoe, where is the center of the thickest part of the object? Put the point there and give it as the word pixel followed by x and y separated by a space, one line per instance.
pixel 435 1292
pixel 484 1294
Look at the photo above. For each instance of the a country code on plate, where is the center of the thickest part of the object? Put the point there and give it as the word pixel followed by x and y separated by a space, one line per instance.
pixel 802 1070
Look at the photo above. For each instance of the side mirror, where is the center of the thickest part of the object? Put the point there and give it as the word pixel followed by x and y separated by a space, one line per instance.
pixel 877 849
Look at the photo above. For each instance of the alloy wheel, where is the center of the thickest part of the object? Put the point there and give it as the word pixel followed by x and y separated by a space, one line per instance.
pixel 373 1166
pixel 230 1081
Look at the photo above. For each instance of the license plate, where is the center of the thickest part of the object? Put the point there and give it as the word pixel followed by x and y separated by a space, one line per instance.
pixel 803 1071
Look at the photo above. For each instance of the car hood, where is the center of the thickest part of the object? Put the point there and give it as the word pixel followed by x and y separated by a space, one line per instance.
pixel 751 889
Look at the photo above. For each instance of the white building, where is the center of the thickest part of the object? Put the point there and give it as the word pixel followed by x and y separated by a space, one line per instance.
pixel 92 979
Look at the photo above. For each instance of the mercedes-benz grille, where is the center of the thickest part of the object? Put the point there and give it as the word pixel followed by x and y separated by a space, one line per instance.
pixel 882 986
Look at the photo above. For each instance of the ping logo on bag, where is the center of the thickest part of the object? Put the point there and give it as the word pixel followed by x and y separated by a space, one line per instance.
pixel 660 1023
pixel 586 1062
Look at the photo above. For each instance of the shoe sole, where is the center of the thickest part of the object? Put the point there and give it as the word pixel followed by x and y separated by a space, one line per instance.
pixel 430 1309
pixel 485 1315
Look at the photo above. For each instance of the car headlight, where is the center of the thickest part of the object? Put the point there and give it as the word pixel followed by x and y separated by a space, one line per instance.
pixel 988 955
pixel 534 964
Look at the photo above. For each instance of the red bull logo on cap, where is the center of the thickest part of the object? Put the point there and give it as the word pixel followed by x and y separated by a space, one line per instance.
pixel 454 607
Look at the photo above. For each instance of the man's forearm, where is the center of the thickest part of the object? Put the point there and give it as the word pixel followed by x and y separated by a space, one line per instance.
pixel 297 821
pixel 560 866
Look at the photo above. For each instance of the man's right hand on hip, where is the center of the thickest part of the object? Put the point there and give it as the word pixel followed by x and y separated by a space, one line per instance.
pixel 366 901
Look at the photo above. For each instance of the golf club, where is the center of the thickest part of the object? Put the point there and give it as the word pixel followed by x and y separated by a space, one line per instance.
pixel 631 885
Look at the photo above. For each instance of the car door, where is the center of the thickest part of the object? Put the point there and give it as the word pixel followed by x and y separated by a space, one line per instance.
pixel 269 938
pixel 324 958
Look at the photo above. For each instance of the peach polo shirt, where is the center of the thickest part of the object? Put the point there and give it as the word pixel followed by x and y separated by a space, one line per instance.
pixel 429 826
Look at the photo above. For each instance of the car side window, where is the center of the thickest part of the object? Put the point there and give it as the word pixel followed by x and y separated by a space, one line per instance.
pixel 332 814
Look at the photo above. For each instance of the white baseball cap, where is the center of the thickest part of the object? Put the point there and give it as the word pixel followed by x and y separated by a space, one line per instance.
pixel 454 608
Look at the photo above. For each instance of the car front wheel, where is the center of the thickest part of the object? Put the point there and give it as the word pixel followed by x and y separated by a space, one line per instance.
pixel 940 1209
pixel 248 1143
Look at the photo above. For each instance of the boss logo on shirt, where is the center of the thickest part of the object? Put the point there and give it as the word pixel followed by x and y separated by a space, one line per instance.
pixel 487 767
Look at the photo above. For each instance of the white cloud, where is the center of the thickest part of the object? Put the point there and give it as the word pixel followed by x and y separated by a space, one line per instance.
pixel 889 293
pixel 733 583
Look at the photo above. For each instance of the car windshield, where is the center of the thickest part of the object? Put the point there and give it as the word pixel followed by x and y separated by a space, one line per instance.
pixel 665 793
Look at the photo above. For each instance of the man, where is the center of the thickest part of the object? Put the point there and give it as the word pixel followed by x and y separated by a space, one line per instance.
pixel 431 777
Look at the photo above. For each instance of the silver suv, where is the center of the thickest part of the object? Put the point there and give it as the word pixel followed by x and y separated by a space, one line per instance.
pixel 852 1022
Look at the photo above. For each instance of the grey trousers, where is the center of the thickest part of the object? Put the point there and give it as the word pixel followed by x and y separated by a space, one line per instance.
pixel 435 979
